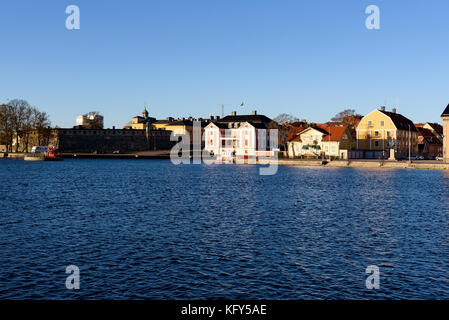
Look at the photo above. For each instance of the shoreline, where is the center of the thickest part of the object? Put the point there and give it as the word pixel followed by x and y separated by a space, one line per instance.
pixel 365 163
pixel 355 163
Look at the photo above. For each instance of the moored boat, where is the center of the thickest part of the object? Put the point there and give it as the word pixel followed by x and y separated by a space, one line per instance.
pixel 51 154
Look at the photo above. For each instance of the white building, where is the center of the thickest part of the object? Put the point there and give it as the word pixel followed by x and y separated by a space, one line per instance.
pixel 90 119
pixel 323 140
pixel 239 136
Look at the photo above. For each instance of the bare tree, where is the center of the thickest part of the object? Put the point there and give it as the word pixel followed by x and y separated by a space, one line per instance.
pixel 19 122
pixel 95 120
pixel 6 132
pixel 18 110
pixel 284 118
pixel 41 124
pixel 339 117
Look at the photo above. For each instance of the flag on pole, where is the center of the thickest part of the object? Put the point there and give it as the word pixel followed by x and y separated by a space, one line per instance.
pixel 241 104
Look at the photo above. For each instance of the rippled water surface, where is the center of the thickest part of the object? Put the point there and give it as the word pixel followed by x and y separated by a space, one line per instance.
pixel 151 230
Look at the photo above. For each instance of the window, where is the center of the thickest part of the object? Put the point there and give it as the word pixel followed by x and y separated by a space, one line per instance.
pixel 388 134
pixel 376 144
pixel 376 133
pixel 382 123
pixel 370 123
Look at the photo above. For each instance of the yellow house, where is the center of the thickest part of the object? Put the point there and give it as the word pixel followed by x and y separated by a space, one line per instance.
pixel 180 126
pixel 445 116
pixel 140 122
pixel 387 134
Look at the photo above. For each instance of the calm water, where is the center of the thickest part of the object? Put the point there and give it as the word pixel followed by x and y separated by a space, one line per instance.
pixel 149 229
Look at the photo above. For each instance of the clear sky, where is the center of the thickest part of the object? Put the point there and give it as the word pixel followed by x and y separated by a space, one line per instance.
pixel 186 57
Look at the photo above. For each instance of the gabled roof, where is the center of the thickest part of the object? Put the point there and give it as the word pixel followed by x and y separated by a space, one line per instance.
pixel 401 122
pixel 256 120
pixel 246 118
pixel 437 127
pixel 428 136
pixel 335 133
pixel 293 133
pixel 446 112
pixel 317 127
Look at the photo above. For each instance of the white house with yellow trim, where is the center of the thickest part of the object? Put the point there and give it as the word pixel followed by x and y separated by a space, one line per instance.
pixel 321 140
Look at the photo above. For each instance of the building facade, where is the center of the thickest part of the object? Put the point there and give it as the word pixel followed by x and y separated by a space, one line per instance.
pixel 91 120
pixel 445 116
pixel 387 134
pixel 239 136
pixel 429 145
pixel 322 140
pixel 140 122
pixel 81 140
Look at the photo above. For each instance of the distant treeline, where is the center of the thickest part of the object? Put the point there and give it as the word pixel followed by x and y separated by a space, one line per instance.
pixel 19 121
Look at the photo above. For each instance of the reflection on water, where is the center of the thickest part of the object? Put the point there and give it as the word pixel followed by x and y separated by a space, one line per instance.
pixel 149 229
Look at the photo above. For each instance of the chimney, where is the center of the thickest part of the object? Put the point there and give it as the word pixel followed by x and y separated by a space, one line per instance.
pixel 382 108
pixel 254 113
pixel 217 117
pixel 393 110
pixel 234 113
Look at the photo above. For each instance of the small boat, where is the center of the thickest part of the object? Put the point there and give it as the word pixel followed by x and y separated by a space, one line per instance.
pixel 51 154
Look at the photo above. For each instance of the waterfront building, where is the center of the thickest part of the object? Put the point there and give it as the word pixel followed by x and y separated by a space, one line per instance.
pixel 386 134
pixel 429 144
pixel 320 140
pixel 445 116
pixel 435 128
pixel 91 139
pixel 92 120
pixel 181 126
pixel 242 136
pixel 140 122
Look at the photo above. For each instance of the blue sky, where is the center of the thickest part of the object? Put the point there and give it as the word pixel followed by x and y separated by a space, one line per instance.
pixel 184 58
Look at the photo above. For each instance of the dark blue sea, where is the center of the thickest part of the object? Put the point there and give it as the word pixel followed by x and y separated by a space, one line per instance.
pixel 147 229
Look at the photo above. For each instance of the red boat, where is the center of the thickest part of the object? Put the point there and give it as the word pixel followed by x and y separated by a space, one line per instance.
pixel 53 154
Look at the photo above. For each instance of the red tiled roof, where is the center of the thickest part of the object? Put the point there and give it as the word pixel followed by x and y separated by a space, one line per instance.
pixel 293 134
pixel 334 132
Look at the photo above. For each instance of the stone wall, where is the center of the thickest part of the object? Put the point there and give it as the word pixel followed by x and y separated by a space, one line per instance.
pixel 110 140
